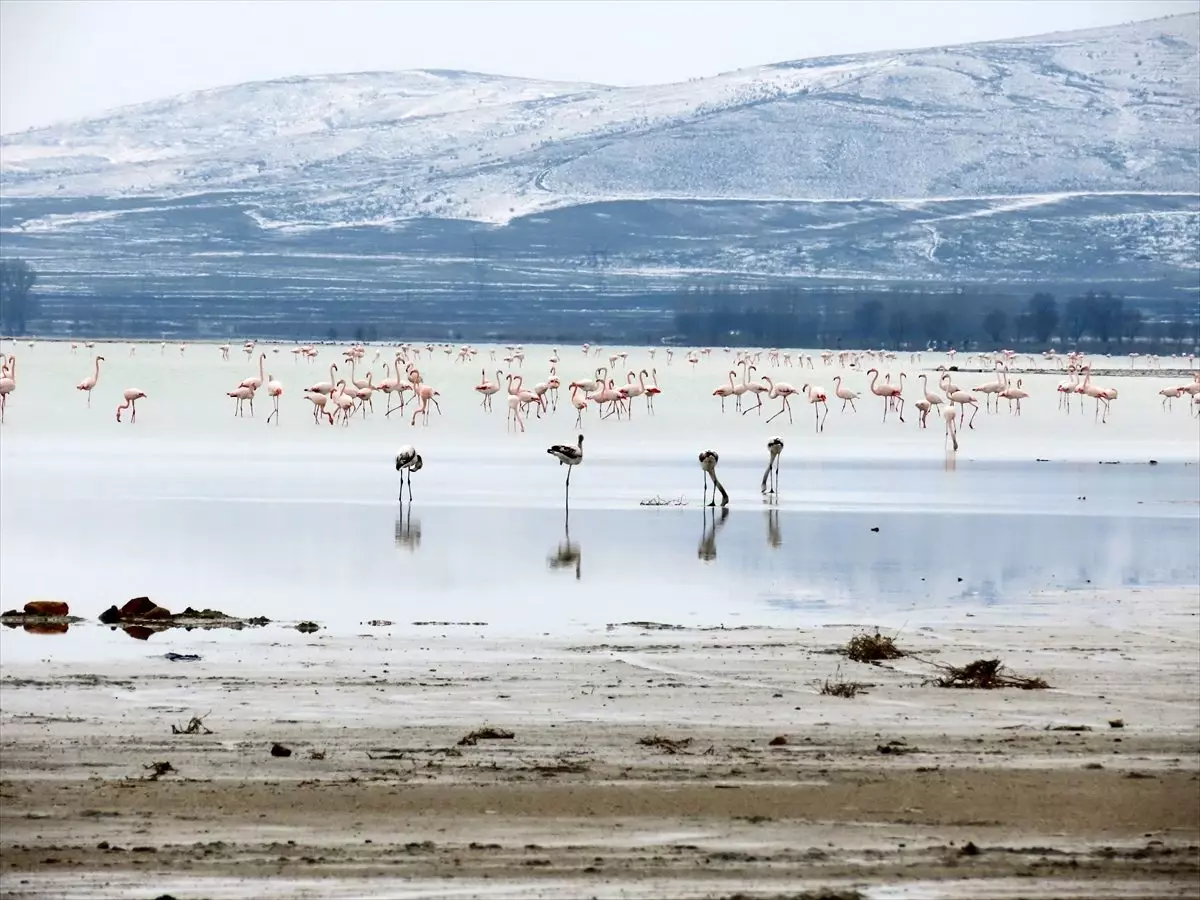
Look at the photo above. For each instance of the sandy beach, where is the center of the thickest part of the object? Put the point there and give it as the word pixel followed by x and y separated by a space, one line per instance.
pixel 763 788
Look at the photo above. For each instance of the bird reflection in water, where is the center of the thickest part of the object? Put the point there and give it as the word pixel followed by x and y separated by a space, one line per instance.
pixel 707 550
pixel 408 533
pixel 774 535
pixel 567 554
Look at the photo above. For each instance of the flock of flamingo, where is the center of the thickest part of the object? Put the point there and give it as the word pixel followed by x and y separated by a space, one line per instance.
pixel 340 398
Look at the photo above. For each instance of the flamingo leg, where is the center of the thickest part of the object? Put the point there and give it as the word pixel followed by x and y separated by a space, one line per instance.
pixel 901 400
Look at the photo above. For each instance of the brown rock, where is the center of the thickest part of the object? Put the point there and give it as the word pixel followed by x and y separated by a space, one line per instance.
pixel 46 608
pixel 137 608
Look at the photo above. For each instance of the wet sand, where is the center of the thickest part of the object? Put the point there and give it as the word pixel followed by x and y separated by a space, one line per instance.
pixel 906 790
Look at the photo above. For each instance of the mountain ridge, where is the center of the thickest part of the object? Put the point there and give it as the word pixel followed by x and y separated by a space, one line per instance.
pixel 1070 158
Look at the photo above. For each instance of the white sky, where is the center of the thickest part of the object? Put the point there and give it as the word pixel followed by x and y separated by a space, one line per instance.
pixel 67 59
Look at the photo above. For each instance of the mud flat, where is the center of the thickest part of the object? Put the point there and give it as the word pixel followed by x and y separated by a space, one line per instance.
pixel 635 761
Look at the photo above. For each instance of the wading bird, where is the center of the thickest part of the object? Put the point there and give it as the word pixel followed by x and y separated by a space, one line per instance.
pixel 774 448
pixel 570 456
pixel 408 460
pixel 708 464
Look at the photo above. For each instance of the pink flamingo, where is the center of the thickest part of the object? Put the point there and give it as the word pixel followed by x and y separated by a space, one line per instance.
pixel 844 394
pixel 580 404
pixel 923 407
pixel 426 395
pixel 757 388
pixel 90 382
pixel 324 387
pixel 951 430
pixel 816 396
pixel 964 399
pixel 610 395
pixel 931 399
pixel 255 381
pixel 242 393
pixel 274 391
pixel 726 390
pixel 1171 394
pixel 8 383
pixel 318 401
pixel 1100 394
pixel 988 388
pixel 888 392
pixel 1066 388
pixel 652 391
pixel 487 388
pixel 634 389
pixel 781 390
pixel 1010 394
pixel 132 396
pixel 514 411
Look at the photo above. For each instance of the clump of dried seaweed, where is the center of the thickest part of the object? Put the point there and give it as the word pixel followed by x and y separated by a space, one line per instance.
pixel 984 674
pixel 870 648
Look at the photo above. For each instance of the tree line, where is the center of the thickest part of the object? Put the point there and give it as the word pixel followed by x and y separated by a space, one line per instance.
pixel 904 319
pixel 781 316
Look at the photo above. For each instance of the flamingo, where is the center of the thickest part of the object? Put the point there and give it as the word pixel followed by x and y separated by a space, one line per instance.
pixel 708 465
pixel 816 396
pixel 1012 393
pixel 242 393
pixel 774 448
pixel 951 431
pixel 90 382
pixel 727 390
pixel 426 395
pixel 325 387
pixel 888 392
pixel 931 399
pixel 487 388
pixel 993 387
pixel 963 399
pixel 408 460
pixel 514 411
pixel 580 404
pixel 757 388
pixel 318 401
pixel 255 382
pixel 1066 388
pixel 570 456
pixel 652 391
pixel 782 390
pixel 1101 395
pixel 132 396
pixel 1170 394
pixel 844 394
pixel 8 383
pixel 923 406
pixel 274 391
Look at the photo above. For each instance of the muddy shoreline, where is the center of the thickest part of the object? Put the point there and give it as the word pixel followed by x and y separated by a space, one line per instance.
pixel 763 787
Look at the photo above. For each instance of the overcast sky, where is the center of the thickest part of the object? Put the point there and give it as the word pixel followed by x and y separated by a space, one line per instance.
pixel 66 59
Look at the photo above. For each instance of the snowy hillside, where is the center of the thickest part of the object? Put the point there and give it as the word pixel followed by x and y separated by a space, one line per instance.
pixel 1104 110
pixel 1057 158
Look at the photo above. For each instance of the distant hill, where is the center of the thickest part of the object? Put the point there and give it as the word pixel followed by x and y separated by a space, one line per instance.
pixel 1049 160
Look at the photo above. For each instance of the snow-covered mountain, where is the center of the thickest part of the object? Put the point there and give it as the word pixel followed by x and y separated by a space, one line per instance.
pixel 1046 156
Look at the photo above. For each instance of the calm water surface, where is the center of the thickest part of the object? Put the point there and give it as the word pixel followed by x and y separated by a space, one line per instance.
pixel 302 522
